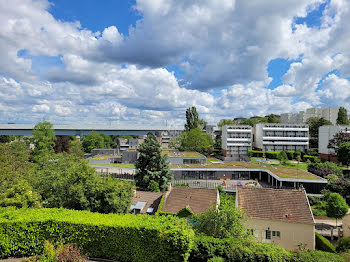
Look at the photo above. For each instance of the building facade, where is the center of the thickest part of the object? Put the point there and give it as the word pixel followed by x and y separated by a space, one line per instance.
pixel 279 137
pixel 236 142
pixel 329 113
pixel 325 134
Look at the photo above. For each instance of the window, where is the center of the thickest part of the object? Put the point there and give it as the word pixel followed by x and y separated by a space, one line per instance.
pixel 276 234
pixel 268 234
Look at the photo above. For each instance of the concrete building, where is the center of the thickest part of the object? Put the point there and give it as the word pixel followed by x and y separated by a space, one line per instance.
pixel 325 134
pixel 279 216
pixel 279 137
pixel 236 142
pixel 165 136
pixel 329 113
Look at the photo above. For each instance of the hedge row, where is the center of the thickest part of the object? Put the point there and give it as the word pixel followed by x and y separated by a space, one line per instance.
pixel 312 159
pixel 323 244
pixel 206 248
pixel 272 155
pixel 109 236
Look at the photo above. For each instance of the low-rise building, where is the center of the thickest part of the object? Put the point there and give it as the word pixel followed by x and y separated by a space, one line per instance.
pixel 279 137
pixel 279 216
pixel 236 142
pixel 325 134
pixel 145 202
pixel 176 157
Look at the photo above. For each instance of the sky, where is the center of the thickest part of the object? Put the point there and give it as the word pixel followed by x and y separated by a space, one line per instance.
pixel 143 62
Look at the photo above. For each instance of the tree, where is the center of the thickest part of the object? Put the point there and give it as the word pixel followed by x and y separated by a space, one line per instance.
pixel 44 141
pixel 297 156
pixel 338 139
pixel 62 144
pixel 336 206
pixel 273 119
pixel 343 153
pixel 6 139
pixel 76 148
pixel 92 141
pixel 283 157
pixel 197 140
pixel 226 122
pixel 342 117
pixel 151 165
pixel 192 118
pixel 314 124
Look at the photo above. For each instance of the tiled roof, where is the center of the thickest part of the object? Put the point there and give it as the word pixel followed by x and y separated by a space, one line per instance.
pixel 152 199
pixel 275 204
pixel 198 200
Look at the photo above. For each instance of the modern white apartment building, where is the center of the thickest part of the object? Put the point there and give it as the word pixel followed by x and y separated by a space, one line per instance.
pixel 329 113
pixel 326 133
pixel 279 137
pixel 236 142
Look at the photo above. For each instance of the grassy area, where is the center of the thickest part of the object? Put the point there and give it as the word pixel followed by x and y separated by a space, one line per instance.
pixel 209 160
pixel 281 171
pixel 103 157
pixel 181 154
pixel 302 166
pixel 121 165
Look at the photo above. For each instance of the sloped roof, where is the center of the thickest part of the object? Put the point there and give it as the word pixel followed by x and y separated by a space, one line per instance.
pixel 152 199
pixel 198 200
pixel 275 204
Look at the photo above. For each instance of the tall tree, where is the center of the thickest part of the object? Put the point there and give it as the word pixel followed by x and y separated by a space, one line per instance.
pixel 197 140
pixel 226 122
pixel 314 124
pixel 338 139
pixel 62 144
pixel 343 153
pixel 94 140
pixel 151 165
pixel 336 206
pixel 342 117
pixel 44 141
pixel 192 118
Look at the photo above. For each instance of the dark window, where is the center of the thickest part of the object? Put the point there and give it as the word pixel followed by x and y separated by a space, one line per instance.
pixel 276 234
pixel 268 234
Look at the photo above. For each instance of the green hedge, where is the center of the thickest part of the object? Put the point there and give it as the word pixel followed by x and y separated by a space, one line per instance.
pixel 253 153
pixel 206 248
pixel 323 244
pixel 313 159
pixel 272 155
pixel 109 236
pixel 343 244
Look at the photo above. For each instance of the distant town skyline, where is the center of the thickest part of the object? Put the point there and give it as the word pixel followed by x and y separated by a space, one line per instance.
pixel 145 61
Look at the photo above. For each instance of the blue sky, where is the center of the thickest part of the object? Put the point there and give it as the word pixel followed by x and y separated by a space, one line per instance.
pixel 146 61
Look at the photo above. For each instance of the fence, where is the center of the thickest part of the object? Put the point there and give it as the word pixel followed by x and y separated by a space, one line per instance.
pixel 212 184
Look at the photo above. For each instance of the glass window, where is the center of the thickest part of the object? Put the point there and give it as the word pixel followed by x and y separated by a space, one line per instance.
pixel 276 234
pixel 268 234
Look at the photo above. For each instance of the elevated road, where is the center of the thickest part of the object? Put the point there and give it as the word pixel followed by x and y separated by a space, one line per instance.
pixel 81 130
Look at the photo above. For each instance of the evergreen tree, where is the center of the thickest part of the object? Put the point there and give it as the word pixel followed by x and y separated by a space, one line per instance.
pixel 151 166
pixel 342 117
pixel 192 118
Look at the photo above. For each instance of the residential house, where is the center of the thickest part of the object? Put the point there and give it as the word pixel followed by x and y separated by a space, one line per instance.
pixel 279 216
pixel 144 202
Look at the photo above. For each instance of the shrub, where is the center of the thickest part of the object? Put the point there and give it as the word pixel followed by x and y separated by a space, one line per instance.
pixel 323 244
pixel 109 236
pixel 272 155
pixel 324 169
pixel 216 259
pixel 290 155
pixel 317 256
pixel 253 153
pixel 312 159
pixel 343 244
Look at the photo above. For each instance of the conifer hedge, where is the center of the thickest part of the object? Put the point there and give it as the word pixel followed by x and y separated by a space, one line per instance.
pixel 109 236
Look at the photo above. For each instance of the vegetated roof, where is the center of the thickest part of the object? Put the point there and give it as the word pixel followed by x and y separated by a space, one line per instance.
pixel 282 172
pixel 198 200
pixel 152 200
pixel 275 204
pixel 183 154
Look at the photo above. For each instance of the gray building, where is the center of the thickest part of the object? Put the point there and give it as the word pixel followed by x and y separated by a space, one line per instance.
pixel 279 137
pixel 325 134
pixel 329 113
pixel 236 142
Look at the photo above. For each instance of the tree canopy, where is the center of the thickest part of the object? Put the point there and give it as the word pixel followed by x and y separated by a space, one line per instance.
pixel 44 141
pixel 226 122
pixel 96 140
pixel 343 153
pixel 192 118
pixel 338 139
pixel 314 124
pixel 151 166
pixel 336 206
pixel 342 117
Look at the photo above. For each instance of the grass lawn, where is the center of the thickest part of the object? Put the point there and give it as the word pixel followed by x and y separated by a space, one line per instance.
pixel 209 160
pixel 302 166
pixel 121 165
pixel 102 157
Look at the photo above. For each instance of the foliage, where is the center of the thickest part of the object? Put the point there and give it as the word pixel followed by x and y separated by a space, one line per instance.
pixel 153 186
pixel 342 187
pixel 269 155
pixel 273 119
pixel 253 121
pixel 109 236
pixel 336 206
pixel 283 157
pixel 324 169
pixel 342 118
pixel 343 153
pixel 185 212
pixel 196 140
pixel 6 139
pixel 70 182
pixel 312 159
pixel 338 139
pixel 226 122
pixel 224 222
pixel 192 118
pixel 151 165
pixel 318 205
pixel 76 148
pixel 62 144
pixel 62 253
pixel 314 124
pixel 297 156
pixel 316 256
pixel 96 140
pixel 343 244
pixel 323 244
pixel 44 141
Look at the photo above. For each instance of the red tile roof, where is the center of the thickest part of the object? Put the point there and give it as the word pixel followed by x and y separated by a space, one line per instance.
pixel 275 204
pixel 198 200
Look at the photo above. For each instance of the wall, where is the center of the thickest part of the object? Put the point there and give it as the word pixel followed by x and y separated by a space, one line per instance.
pixel 292 234
pixel 346 225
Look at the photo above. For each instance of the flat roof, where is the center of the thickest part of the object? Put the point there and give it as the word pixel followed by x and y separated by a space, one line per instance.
pixel 284 173
pixel 183 154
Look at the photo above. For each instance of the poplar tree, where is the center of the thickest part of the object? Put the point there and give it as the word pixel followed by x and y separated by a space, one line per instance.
pixel 342 117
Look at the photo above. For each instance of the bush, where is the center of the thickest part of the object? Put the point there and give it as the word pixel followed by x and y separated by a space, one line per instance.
pixel 272 155
pixel 109 236
pixel 253 153
pixel 343 244
pixel 323 244
pixel 317 256
pixel 290 155
pixel 312 159
pixel 324 169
